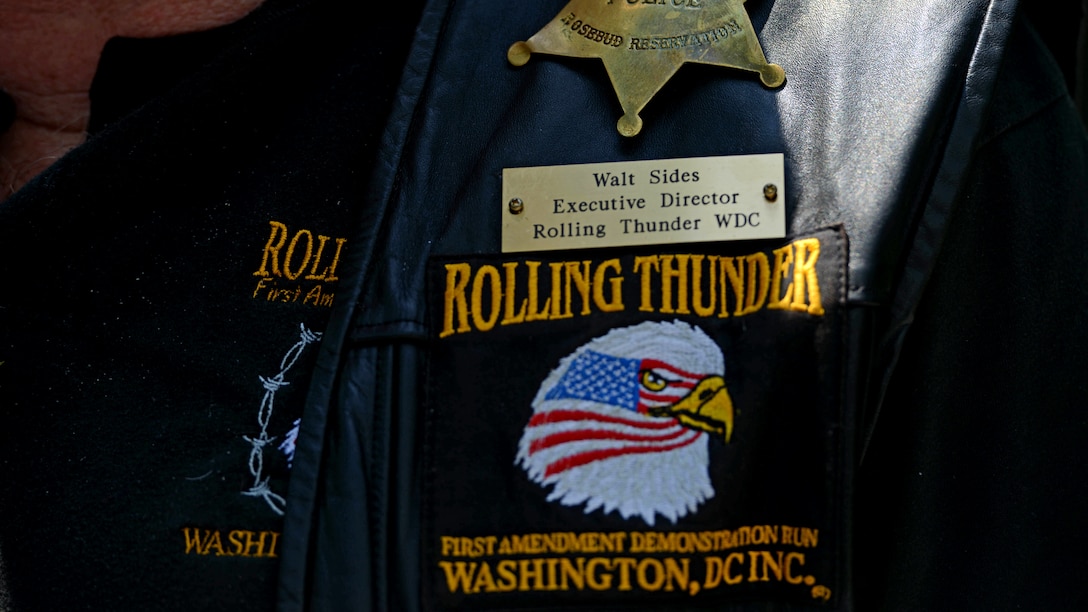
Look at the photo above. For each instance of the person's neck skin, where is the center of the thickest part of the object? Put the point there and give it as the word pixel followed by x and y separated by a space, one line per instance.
pixel 49 51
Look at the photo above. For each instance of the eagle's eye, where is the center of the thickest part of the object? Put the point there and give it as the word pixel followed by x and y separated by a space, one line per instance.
pixel 652 381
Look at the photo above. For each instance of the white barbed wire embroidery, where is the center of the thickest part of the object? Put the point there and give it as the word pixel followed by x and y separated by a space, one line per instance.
pixel 261 487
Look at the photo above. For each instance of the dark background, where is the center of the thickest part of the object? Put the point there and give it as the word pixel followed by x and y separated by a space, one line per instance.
pixel 1062 27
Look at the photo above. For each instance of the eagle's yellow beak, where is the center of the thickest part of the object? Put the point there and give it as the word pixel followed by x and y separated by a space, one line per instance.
pixel 707 408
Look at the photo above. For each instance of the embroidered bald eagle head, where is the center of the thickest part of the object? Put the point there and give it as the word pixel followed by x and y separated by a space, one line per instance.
pixel 623 422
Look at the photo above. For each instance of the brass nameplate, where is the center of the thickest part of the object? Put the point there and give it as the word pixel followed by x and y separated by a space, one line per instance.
pixel 662 201
pixel 644 42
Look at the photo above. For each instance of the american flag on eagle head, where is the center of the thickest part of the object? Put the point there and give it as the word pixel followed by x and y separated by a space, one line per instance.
pixel 623 422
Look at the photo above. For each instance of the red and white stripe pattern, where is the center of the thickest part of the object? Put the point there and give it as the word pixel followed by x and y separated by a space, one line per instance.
pixel 678 383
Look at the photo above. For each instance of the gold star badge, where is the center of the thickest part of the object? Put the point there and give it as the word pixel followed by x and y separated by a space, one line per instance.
pixel 644 42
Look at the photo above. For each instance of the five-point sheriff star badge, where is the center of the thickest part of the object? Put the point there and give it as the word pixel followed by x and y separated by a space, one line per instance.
pixel 644 42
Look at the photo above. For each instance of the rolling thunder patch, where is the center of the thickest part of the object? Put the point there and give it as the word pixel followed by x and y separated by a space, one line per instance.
pixel 657 426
